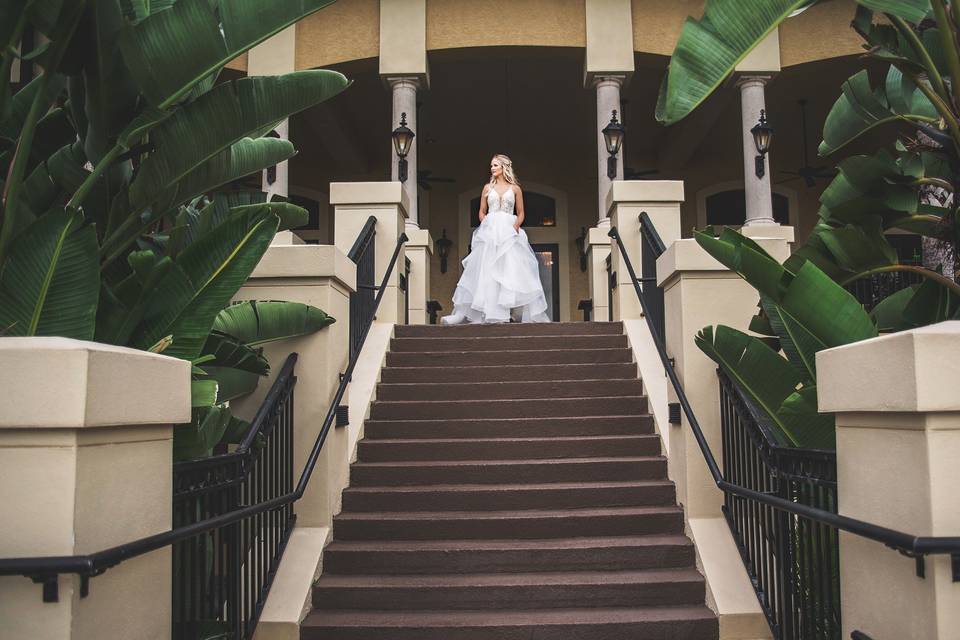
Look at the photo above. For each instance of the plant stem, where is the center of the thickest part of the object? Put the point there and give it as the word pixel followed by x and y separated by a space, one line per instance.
pixel 939 278
pixel 942 108
pixel 917 45
pixel 949 44
pixel 77 199
pixel 936 182
pixel 19 166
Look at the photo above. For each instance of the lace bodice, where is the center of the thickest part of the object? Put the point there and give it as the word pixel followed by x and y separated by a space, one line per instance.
pixel 497 203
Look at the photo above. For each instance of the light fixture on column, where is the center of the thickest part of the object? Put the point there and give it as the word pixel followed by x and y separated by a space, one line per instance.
pixel 272 169
pixel 443 250
pixel 581 242
pixel 613 137
pixel 762 135
pixel 402 140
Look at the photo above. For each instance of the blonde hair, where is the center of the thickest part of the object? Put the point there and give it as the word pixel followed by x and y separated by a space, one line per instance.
pixel 508 173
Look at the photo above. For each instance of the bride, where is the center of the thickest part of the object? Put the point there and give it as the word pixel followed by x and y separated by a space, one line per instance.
pixel 501 274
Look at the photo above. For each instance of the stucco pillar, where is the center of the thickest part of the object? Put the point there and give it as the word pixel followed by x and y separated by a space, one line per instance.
pixel 404 92
pixel 321 276
pixel 275 56
pixel 625 201
pixel 759 197
pixel 698 292
pixel 86 433
pixel 608 100
pixel 419 249
pixel 898 442
pixel 598 251
pixel 354 203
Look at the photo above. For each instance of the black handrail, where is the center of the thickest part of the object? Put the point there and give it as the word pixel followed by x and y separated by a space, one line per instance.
pixel 653 249
pixel 46 569
pixel 910 545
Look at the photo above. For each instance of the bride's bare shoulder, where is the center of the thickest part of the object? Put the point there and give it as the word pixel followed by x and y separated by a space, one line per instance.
pixel 486 188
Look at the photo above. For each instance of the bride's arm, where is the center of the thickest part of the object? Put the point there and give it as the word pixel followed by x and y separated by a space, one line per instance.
pixel 519 208
pixel 483 202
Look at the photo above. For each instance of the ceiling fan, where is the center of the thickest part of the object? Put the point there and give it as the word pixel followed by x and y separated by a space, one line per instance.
pixel 424 178
pixel 806 172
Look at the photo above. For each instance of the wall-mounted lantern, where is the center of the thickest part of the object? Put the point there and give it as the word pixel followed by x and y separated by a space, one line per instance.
pixel 581 243
pixel 443 250
pixel 613 137
pixel 762 136
pixel 402 141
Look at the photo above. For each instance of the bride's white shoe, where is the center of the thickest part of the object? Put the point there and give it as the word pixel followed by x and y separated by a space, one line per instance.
pixel 456 318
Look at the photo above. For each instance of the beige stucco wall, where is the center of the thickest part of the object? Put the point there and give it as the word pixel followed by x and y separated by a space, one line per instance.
pixel 345 30
pixel 468 23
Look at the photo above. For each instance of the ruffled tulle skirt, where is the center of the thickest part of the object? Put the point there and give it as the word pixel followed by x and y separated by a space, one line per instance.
pixel 500 275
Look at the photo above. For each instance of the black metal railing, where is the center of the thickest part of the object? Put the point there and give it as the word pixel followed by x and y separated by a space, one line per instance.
pixel 871 290
pixel 405 288
pixel 221 578
pixel 912 546
pixel 793 562
pixel 363 253
pixel 611 285
pixel 652 249
pixel 46 570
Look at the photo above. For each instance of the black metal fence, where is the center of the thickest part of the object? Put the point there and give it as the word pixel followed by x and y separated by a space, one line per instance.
pixel 362 305
pixel 221 578
pixel 871 290
pixel 793 561
pixel 405 288
pixel 652 249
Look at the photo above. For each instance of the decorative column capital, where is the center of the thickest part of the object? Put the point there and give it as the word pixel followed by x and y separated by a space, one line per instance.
pixel 404 82
pixel 753 81
pixel 609 80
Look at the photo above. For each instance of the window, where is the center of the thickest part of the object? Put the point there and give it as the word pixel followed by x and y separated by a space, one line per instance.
pixel 729 208
pixel 539 210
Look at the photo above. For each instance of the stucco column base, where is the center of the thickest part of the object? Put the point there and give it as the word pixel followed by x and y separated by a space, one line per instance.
pixel 419 250
pixel 699 291
pixel 625 201
pixel 321 276
pixel 354 203
pixel 898 442
pixel 86 438
pixel 598 250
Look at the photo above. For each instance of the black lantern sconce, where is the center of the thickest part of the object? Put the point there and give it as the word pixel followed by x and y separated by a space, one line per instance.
pixel 762 136
pixel 581 242
pixel 613 137
pixel 443 250
pixel 402 141
pixel 272 169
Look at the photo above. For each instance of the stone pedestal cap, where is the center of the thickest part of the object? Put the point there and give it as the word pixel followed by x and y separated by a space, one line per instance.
pixel 370 193
pixel 65 383
pixel 910 371
pixel 307 261
pixel 644 191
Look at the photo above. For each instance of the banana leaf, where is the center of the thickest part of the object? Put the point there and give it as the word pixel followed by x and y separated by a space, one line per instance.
pixel 228 351
pixel 232 383
pixel 914 11
pixel 256 323
pixel 169 52
pixel 207 428
pixel 50 282
pixel 230 112
pixel 709 49
pixel 203 393
pixel 201 283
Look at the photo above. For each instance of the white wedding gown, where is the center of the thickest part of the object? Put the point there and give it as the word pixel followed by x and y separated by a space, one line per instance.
pixel 501 273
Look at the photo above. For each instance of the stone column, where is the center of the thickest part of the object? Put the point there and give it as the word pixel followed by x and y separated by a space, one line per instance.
pixel 419 250
pixel 354 203
pixel 404 92
pixel 759 198
pixel 699 291
pixel 321 276
pixel 598 251
pixel 625 201
pixel 86 434
pixel 608 100
pixel 898 442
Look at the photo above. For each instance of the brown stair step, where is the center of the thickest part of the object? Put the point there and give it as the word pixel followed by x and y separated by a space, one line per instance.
pixel 507 357
pixel 508 471
pixel 551 495
pixel 489 390
pixel 472 556
pixel 512 329
pixel 534 523
pixel 508 408
pixel 508 343
pixel 503 591
pixel 509 427
pixel 514 373
pixel 507 448
pixel 694 622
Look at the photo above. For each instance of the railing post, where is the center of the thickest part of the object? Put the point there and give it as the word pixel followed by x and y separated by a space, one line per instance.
pixel 898 442
pixel 699 291
pixel 85 456
pixel 598 251
pixel 354 203
pixel 419 251
pixel 661 200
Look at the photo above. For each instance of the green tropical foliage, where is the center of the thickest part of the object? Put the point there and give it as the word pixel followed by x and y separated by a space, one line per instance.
pixel 908 184
pixel 119 221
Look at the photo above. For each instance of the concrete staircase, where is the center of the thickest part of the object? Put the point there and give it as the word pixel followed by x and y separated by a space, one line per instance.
pixel 510 486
